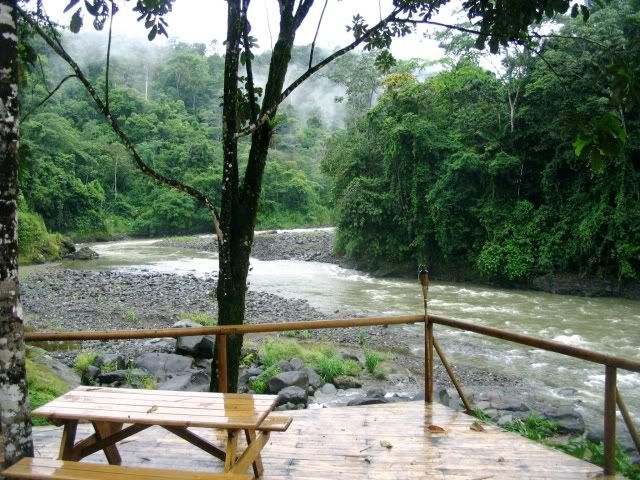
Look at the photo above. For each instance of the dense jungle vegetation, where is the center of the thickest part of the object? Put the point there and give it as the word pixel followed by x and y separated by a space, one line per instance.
pixel 77 179
pixel 503 176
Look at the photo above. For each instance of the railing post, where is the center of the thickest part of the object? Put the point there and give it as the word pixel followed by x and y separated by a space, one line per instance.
pixel 610 420
pixel 423 275
pixel 221 340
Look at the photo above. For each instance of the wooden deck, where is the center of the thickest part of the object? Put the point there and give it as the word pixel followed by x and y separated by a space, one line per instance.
pixel 377 442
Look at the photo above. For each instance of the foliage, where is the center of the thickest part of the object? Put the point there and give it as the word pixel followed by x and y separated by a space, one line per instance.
pixel 481 415
pixel 477 175
pixel 322 358
pixel 594 453
pixel 44 386
pixel 83 361
pixel 259 384
pixel 35 243
pixel 203 318
pixel 533 427
pixel 371 361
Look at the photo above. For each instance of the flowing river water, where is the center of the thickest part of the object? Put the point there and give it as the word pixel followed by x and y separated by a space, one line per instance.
pixel 609 325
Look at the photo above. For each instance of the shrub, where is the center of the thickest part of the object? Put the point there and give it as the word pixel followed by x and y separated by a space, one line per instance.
pixel 44 386
pixel 534 427
pixel 83 361
pixel 259 385
pixel 371 361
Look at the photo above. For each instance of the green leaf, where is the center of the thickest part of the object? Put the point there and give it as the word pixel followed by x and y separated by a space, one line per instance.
pixel 574 10
pixel 580 143
pixel 72 4
pixel 76 21
pixel 585 12
pixel 152 33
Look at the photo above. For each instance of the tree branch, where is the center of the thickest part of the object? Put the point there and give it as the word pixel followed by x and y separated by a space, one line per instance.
pixel 142 166
pixel 51 94
pixel 297 82
pixel 315 37
pixel 106 85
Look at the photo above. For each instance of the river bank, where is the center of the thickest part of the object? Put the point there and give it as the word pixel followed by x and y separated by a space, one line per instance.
pixel 317 245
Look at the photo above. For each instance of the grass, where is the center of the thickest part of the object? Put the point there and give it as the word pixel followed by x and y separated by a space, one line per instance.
pixel 480 415
pixel 131 316
pixel 323 358
pixel 371 361
pixel 301 334
pixel 148 382
pixel 259 385
pixel 533 427
pixel 204 319
pixel 44 386
pixel 109 367
pixel 83 361
pixel 594 453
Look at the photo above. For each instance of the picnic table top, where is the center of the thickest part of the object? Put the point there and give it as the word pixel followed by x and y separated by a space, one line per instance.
pixel 161 407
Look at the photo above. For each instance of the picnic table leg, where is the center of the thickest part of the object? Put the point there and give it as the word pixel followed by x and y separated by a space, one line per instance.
pixel 68 440
pixel 258 469
pixel 231 450
pixel 103 430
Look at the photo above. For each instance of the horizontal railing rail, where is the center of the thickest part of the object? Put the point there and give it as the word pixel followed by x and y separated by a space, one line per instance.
pixel 611 362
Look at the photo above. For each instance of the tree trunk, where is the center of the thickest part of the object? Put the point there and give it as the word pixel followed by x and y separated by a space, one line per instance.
pixel 240 203
pixel 15 422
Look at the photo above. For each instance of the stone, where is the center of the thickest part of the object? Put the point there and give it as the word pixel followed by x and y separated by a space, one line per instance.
pixel 197 381
pixel 367 401
pixel 53 365
pixel 112 359
pixel 204 363
pixel 483 405
pixel 285 366
pixel 345 381
pixel 444 395
pixel 328 389
pixel 255 371
pixel 376 392
pixel 90 374
pixel 510 405
pixel 286 406
pixel 199 346
pixel 595 436
pixel 352 357
pixel 122 376
pixel 164 365
pixel 568 420
pixel 296 364
pixel 294 395
pixel 504 419
pixel 567 392
pixel 85 253
pixel 186 324
pixel 314 379
pixel 288 379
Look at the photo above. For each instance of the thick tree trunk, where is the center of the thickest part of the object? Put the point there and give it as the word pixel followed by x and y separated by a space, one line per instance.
pixel 240 203
pixel 15 423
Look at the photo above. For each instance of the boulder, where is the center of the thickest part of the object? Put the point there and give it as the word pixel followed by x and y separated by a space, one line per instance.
pixel 376 392
pixel 328 389
pixel 53 365
pixel 314 379
pixel 164 365
pixel 509 404
pixel 288 379
pixel 199 346
pixel 345 381
pixel 197 381
pixel 186 324
pixel 90 375
pixel 366 401
pixel 296 364
pixel 122 376
pixel 504 419
pixel 67 245
pixel 255 371
pixel 285 366
pixel 568 420
pixel 294 395
pixel 85 253
pixel 112 359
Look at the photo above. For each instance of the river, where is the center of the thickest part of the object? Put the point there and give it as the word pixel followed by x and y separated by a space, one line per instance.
pixel 609 325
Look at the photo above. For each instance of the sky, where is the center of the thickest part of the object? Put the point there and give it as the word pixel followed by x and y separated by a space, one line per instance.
pixel 204 21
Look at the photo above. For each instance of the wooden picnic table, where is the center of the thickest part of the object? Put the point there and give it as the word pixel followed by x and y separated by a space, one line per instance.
pixel 110 409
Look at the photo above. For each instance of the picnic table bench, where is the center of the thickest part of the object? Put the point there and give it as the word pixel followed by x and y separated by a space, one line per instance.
pixel 117 414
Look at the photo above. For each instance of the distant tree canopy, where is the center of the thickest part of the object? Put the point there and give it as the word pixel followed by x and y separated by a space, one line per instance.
pixel 436 172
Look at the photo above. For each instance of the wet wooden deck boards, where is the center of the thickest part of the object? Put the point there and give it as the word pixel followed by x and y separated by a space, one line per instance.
pixel 346 443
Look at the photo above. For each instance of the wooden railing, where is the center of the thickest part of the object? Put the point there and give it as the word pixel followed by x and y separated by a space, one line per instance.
pixel 611 363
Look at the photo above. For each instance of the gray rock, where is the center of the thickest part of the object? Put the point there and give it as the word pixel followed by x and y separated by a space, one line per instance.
pixel 85 253
pixel 595 436
pixel 164 365
pixel 286 406
pixel 510 405
pixel 122 376
pixel 483 405
pixel 199 346
pixel 344 382
pixel 114 359
pixel 188 382
pixel 504 419
pixel 569 421
pixel 296 364
pixel 55 366
pixel 90 374
pixel 328 389
pixel 288 379
pixel 314 379
pixel 367 401
pixel 186 324
pixel 376 392
pixel 294 395
pixel 285 366
pixel 445 396
pixel 204 363
pixel 567 392
pixel 255 371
